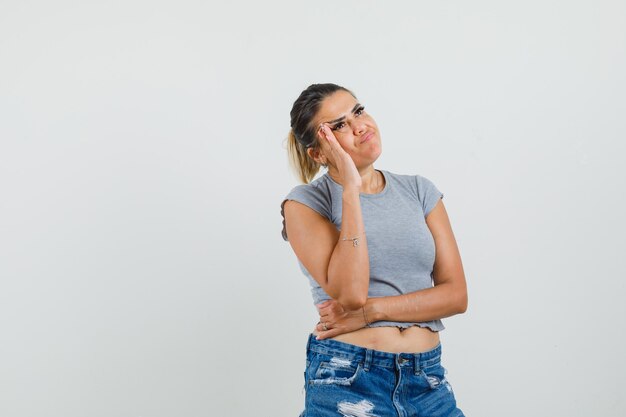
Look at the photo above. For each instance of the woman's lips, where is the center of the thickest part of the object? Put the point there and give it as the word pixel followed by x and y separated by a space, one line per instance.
pixel 367 137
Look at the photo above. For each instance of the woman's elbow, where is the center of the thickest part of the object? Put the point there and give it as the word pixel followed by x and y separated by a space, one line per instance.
pixel 461 301
pixel 352 301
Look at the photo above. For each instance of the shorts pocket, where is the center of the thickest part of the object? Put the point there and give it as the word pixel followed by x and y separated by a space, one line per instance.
pixel 332 370
pixel 435 374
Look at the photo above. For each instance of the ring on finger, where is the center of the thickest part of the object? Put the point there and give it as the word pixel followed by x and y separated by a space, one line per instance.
pixel 324 327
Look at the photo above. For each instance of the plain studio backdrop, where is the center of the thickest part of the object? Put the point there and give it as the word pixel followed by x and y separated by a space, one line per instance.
pixel 142 165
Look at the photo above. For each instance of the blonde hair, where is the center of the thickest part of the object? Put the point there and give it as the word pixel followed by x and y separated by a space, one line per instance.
pixel 301 163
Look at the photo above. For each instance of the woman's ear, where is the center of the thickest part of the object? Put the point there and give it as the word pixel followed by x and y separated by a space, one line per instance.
pixel 316 154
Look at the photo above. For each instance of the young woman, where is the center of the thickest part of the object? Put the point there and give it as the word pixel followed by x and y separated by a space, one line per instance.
pixel 382 262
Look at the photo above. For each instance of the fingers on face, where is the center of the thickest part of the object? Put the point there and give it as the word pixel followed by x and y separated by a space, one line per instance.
pixel 331 149
pixel 328 135
pixel 322 132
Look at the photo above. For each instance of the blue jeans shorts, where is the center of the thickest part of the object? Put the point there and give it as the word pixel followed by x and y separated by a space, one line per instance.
pixel 348 380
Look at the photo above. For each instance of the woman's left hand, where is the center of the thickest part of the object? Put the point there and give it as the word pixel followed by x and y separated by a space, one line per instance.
pixel 335 320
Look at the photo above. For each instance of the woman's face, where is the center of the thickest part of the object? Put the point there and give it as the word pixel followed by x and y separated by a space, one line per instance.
pixel 355 130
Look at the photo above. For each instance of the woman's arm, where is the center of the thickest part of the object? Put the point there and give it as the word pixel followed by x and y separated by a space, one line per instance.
pixel 341 269
pixel 447 298
pixel 449 294
pixel 338 264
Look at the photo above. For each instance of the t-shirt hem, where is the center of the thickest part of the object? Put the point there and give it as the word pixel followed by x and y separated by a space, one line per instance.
pixel 435 326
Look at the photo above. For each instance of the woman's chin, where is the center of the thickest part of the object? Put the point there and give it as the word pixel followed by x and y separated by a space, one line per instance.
pixel 375 153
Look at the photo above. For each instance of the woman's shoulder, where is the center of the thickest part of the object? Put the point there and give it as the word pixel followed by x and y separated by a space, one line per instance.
pixel 318 188
pixel 419 187
pixel 316 195
pixel 404 182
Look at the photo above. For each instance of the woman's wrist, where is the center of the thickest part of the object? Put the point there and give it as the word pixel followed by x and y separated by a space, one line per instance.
pixel 372 310
pixel 351 194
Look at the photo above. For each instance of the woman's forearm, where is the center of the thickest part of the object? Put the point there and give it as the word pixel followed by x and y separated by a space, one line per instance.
pixel 348 269
pixel 440 301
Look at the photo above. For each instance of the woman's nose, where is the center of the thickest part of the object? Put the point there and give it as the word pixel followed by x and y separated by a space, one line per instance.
pixel 359 128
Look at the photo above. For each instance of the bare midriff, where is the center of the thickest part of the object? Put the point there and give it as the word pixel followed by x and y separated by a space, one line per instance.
pixel 392 339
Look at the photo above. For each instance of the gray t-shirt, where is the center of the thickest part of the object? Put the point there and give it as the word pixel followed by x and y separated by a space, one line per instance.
pixel 401 248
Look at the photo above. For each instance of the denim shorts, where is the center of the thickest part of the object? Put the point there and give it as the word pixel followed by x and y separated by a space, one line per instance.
pixel 348 380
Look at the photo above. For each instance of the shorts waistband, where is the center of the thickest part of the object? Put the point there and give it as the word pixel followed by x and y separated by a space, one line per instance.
pixel 369 357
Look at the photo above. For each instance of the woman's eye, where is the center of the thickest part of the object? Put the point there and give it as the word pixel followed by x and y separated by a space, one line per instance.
pixel 338 126
pixel 359 111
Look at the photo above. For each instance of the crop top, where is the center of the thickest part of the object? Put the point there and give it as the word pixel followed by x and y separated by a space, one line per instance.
pixel 400 245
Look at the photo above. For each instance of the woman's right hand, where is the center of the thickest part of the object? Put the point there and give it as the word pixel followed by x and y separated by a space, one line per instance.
pixel 348 174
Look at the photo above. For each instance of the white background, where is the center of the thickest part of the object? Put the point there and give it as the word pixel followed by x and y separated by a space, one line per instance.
pixel 142 165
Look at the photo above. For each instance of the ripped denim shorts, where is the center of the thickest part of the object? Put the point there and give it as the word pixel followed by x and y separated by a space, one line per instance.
pixel 348 380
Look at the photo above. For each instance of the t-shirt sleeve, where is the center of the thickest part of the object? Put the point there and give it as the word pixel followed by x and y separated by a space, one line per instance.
pixel 308 196
pixel 427 193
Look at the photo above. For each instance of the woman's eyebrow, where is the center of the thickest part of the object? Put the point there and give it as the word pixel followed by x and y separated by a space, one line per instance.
pixel 354 109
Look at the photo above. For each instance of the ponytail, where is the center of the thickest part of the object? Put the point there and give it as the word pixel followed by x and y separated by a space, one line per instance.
pixel 301 163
